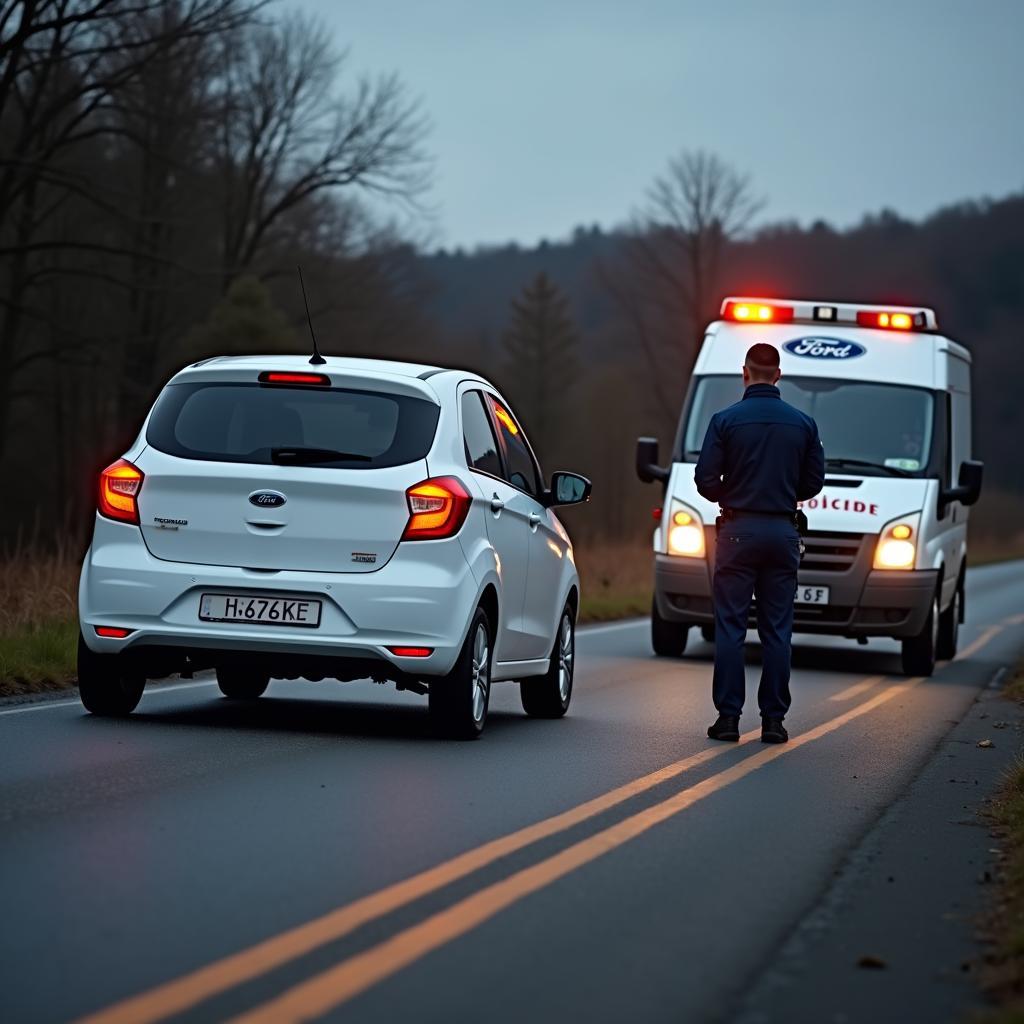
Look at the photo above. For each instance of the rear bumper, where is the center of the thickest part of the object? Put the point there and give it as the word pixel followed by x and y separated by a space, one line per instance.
pixel 862 603
pixel 424 596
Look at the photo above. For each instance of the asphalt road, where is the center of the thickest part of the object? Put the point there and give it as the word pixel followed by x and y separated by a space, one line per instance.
pixel 319 855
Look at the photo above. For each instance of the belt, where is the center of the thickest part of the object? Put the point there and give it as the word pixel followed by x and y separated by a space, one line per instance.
pixel 748 513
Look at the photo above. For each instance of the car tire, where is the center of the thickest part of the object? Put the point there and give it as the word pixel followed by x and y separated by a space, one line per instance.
pixel 104 686
pixel 949 626
pixel 919 652
pixel 459 701
pixel 667 638
pixel 240 683
pixel 708 633
pixel 548 696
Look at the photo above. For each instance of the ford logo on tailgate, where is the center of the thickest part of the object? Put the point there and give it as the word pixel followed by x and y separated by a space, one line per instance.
pixel 267 499
pixel 824 348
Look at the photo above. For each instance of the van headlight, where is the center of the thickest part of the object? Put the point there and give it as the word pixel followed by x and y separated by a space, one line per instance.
pixel 897 543
pixel 685 531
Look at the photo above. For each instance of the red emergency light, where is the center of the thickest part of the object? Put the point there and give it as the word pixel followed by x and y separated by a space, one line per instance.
pixel 891 320
pixel 757 312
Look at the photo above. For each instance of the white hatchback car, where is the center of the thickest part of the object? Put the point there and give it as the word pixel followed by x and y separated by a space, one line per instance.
pixel 351 520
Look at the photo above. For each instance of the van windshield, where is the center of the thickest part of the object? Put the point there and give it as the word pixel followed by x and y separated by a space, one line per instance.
pixel 888 425
pixel 329 427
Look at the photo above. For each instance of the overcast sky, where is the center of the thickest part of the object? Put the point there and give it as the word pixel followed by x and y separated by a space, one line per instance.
pixel 548 114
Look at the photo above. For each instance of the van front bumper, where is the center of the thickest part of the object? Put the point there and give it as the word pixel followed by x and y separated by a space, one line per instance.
pixel 873 603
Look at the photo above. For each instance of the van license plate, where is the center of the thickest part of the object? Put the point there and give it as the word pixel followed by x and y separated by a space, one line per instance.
pixel 809 594
pixel 267 611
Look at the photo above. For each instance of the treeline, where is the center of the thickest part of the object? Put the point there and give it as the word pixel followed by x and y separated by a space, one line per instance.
pixel 156 158
pixel 165 164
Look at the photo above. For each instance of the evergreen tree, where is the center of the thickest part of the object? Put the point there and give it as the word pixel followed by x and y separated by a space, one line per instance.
pixel 245 320
pixel 540 362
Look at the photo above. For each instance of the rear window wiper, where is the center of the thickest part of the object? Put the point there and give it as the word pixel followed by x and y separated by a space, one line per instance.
pixel 306 456
pixel 863 464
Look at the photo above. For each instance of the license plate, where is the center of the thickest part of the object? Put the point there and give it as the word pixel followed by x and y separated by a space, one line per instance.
pixel 266 611
pixel 809 594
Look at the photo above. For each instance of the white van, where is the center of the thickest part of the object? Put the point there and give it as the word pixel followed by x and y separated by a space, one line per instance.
pixel 886 549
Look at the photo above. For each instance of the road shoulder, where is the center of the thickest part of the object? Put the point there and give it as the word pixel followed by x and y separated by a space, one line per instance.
pixel 900 915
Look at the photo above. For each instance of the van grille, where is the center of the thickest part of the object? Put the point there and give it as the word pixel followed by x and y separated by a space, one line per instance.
pixel 831 552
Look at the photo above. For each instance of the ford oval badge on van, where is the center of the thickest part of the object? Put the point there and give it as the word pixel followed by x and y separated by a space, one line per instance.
pixel 824 348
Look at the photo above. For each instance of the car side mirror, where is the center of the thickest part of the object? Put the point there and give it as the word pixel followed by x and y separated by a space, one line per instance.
pixel 647 467
pixel 968 488
pixel 568 489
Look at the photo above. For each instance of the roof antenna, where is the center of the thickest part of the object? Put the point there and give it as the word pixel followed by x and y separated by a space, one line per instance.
pixel 316 359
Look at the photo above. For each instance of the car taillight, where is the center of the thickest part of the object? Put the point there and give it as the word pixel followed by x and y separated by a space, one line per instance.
pixel 437 508
pixel 120 484
pixel 280 377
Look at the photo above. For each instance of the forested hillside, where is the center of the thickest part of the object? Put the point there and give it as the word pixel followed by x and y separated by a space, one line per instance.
pixel 966 261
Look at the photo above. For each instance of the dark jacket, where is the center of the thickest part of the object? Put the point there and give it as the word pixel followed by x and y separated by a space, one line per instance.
pixel 761 454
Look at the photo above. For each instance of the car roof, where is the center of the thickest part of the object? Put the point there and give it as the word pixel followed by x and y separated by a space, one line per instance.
pixel 418 379
pixel 336 363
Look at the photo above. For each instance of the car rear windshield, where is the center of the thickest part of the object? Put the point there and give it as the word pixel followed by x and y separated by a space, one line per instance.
pixel 328 427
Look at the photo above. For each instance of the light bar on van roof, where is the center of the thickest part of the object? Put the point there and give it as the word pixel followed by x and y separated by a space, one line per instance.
pixel 757 312
pixel 739 309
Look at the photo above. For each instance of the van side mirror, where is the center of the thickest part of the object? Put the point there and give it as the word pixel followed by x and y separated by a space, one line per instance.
pixel 968 488
pixel 647 467
pixel 568 489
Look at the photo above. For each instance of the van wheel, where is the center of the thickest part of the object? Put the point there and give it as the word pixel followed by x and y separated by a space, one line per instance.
pixel 949 626
pixel 459 701
pixel 241 683
pixel 548 696
pixel 708 633
pixel 103 685
pixel 667 638
pixel 919 652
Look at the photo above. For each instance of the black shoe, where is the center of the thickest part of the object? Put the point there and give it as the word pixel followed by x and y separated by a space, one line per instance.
pixel 726 728
pixel 773 731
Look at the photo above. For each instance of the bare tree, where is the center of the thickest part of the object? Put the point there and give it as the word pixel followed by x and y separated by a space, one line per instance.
pixel 64 67
pixel 671 272
pixel 692 211
pixel 287 133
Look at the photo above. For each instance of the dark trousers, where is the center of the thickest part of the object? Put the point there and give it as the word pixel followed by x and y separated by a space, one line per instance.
pixel 755 557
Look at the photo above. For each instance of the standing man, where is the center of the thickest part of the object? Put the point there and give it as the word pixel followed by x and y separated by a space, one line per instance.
pixel 760 457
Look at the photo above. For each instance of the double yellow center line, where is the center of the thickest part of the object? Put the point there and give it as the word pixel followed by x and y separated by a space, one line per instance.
pixel 329 989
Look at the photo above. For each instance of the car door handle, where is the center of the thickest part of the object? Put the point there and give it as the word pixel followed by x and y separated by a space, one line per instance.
pixel 497 504
pixel 534 520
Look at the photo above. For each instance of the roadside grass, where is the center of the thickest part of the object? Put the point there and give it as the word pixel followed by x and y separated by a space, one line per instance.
pixel 616 579
pixel 1002 974
pixel 38 657
pixel 986 550
pixel 38 623
pixel 996 529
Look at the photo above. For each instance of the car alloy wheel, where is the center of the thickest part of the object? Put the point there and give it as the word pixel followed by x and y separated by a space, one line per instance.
pixel 481 672
pixel 548 696
pixel 566 654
